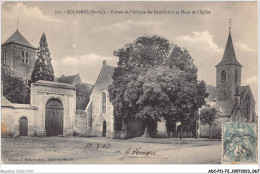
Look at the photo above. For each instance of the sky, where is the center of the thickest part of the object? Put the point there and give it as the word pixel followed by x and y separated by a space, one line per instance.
pixel 79 43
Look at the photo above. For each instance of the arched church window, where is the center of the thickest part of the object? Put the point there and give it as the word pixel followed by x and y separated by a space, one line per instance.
pixel 103 102
pixel 223 76
pixel 236 76
pixel 248 107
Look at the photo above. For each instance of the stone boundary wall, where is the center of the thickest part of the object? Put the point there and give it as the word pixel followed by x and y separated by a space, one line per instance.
pixel 80 123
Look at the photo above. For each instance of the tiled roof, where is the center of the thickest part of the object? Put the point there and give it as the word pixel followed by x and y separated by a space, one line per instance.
pixel 104 79
pixel 243 90
pixel 229 57
pixel 226 107
pixel 69 79
pixel 18 38
pixel 212 93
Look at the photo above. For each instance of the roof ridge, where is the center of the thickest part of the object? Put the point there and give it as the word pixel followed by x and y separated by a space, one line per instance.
pixel 18 38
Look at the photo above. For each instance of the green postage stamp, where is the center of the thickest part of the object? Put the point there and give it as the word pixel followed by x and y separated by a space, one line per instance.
pixel 239 143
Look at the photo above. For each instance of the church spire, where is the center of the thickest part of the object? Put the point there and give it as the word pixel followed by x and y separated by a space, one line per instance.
pixel 229 57
pixel 229 26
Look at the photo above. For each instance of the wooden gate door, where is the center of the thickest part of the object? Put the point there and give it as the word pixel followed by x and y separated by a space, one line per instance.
pixel 104 129
pixel 23 126
pixel 54 118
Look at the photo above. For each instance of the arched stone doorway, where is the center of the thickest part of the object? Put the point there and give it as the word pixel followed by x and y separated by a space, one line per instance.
pixel 23 126
pixel 104 132
pixel 54 117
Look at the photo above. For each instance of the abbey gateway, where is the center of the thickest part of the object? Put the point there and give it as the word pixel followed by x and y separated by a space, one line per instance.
pixel 53 109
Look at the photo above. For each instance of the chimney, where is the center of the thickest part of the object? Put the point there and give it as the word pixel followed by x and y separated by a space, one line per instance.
pixel 104 62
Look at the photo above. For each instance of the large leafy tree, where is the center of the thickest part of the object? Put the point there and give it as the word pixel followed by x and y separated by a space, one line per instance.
pixel 209 115
pixel 14 88
pixel 43 69
pixel 155 80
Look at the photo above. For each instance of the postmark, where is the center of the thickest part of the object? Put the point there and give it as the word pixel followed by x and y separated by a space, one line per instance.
pixel 239 143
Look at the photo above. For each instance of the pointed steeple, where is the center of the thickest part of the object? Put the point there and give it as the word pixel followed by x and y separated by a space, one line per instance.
pixel 18 38
pixel 229 57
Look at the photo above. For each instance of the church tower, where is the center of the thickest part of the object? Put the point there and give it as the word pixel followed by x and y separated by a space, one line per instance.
pixel 18 55
pixel 228 81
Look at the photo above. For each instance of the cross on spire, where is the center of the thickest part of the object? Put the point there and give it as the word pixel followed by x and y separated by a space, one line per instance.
pixel 17 23
pixel 229 25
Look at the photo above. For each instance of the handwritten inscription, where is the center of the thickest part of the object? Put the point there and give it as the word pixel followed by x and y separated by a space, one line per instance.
pixel 137 153
pixel 98 146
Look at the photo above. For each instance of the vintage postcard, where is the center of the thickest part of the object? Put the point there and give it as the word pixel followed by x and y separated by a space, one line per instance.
pixel 121 82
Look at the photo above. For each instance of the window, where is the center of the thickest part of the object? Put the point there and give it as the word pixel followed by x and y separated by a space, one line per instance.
pixel 27 54
pixel 248 107
pixel 103 102
pixel 236 76
pixel 224 76
pixel 237 115
pixel 4 56
pixel 27 61
pixel 22 53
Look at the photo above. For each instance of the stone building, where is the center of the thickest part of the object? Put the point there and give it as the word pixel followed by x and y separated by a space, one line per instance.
pixel 100 112
pixel 51 112
pixel 83 91
pixel 99 109
pixel 236 102
pixel 73 79
pixel 19 55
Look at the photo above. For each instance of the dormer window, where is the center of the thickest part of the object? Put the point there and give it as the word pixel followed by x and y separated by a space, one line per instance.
pixel 103 102
pixel 223 76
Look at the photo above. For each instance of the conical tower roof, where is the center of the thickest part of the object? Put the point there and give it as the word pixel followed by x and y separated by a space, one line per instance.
pixel 229 57
pixel 18 38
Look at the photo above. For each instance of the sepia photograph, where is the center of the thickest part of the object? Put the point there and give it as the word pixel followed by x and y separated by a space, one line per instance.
pixel 121 82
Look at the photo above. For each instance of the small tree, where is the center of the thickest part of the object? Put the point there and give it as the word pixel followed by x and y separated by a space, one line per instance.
pixel 14 88
pixel 43 69
pixel 209 115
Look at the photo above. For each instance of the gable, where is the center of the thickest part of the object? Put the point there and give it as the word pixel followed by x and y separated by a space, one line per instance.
pixel 247 93
pixel 104 79
pixel 18 38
